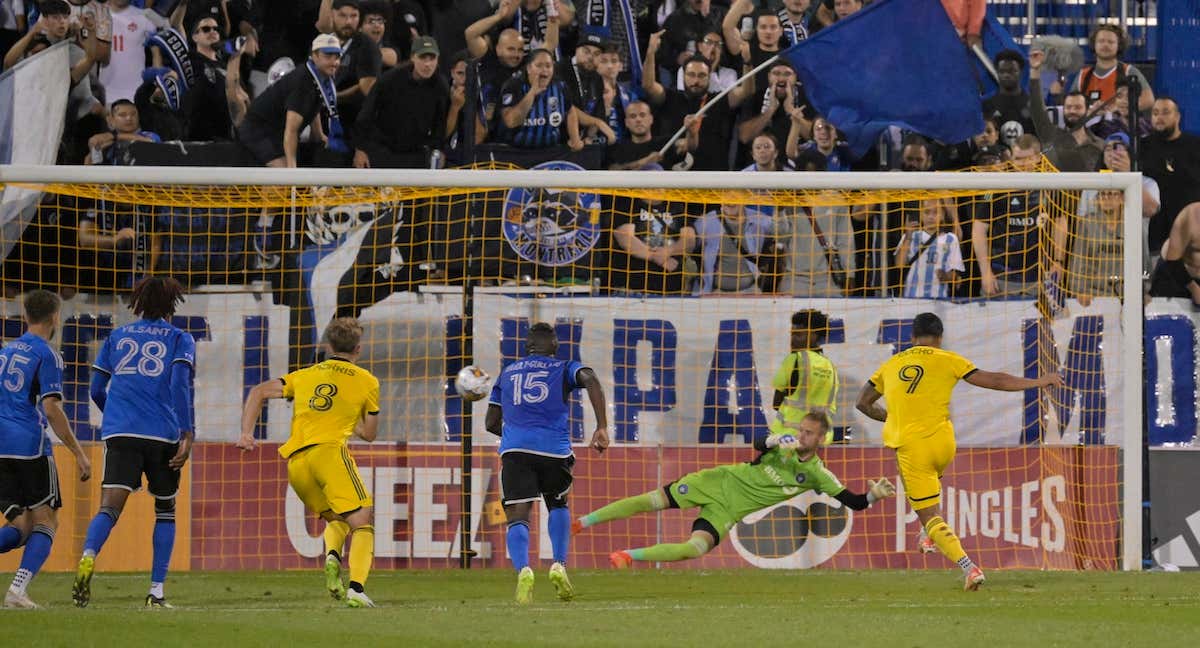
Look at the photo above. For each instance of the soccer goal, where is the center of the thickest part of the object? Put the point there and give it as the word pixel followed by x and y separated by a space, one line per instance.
pixel 678 289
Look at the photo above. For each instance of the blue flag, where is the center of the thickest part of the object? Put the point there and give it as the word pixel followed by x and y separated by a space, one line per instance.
pixel 895 62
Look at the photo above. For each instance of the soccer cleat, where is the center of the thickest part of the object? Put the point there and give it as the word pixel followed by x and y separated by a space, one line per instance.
pixel 357 599
pixel 974 579
pixel 158 603
pixel 620 559
pixel 562 584
pixel 926 544
pixel 15 600
pixel 81 591
pixel 525 586
pixel 577 527
pixel 333 578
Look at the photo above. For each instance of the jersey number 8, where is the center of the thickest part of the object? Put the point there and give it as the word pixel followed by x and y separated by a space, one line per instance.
pixel 323 398
pixel 151 362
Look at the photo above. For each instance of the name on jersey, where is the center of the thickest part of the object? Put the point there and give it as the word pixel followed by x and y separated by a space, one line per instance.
pixel 148 330
pixel 18 345
pixel 335 367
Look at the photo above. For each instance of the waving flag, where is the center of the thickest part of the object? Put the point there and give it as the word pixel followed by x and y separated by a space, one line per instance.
pixel 895 62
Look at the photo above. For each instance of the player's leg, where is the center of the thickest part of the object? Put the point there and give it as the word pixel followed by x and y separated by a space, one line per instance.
pixel 19 521
pixel 42 500
pixel 308 490
pixel 335 534
pixel 14 534
pixel 555 483
pixel 122 476
pixel 348 497
pixel 688 491
pixel 163 483
pixel 921 466
pixel 519 490
pixel 705 536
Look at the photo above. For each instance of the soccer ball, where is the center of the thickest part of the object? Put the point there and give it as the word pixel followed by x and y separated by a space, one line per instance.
pixel 472 383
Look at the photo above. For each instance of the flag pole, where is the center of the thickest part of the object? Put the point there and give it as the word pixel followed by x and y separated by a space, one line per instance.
pixel 721 95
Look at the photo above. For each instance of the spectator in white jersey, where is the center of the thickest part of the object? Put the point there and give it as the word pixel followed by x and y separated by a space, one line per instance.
pixel 931 252
pixel 122 74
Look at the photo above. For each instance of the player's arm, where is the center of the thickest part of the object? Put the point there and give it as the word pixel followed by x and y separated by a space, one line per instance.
pixel 588 380
pixel 1000 381
pixel 259 394
pixel 98 387
pixel 876 490
pixel 57 419
pixel 868 402
pixel 183 396
pixel 495 419
pixel 368 429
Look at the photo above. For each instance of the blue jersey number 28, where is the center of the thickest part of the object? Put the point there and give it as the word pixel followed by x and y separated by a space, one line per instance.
pixel 148 360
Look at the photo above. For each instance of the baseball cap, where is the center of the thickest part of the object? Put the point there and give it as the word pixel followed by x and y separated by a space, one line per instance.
pixel 592 37
pixel 327 43
pixel 1118 136
pixel 424 45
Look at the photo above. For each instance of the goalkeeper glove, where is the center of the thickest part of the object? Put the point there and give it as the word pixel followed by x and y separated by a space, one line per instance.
pixel 878 490
pixel 786 441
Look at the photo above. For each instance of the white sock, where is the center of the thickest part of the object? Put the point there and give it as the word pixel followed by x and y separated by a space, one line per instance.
pixel 21 580
pixel 89 553
pixel 156 590
pixel 966 563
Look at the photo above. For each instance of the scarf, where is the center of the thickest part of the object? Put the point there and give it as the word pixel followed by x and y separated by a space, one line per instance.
pixel 325 87
pixel 175 46
pixel 792 32
pixel 532 27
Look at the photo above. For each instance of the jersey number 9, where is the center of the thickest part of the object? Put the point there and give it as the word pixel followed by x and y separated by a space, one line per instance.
pixel 912 374
pixel 322 399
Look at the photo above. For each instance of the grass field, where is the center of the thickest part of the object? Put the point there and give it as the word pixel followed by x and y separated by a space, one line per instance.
pixel 651 608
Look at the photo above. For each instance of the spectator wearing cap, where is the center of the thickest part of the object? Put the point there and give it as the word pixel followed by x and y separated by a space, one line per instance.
pixel 361 62
pixel 685 29
pixel 1073 148
pixel 271 130
pixel 394 44
pixel 406 115
pixel 579 75
pixel 124 127
pixel 1116 159
pixel 1010 104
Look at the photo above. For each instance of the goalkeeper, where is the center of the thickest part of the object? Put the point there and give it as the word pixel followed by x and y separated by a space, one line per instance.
pixel 786 466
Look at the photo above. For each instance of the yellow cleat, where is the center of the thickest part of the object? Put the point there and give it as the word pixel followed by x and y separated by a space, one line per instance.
pixel 333 578
pixel 525 586
pixel 562 584
pixel 81 590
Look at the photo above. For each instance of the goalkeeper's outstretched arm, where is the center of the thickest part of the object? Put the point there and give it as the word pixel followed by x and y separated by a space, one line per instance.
pixel 876 490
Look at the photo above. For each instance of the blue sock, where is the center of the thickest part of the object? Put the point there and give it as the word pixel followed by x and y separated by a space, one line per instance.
pixel 10 538
pixel 37 550
pixel 164 543
pixel 560 533
pixel 98 530
pixel 518 544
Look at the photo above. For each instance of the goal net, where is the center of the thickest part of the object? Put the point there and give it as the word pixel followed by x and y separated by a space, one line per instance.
pixel 678 290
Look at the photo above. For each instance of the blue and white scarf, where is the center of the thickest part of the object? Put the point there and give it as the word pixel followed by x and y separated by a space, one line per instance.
pixel 328 92
pixel 175 46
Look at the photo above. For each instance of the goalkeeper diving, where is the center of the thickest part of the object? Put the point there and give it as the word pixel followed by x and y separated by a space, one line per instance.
pixel 786 466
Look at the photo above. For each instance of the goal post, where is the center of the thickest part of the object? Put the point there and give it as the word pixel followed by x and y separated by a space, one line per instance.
pixel 688 375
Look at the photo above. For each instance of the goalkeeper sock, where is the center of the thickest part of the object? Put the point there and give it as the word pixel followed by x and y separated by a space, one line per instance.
pixel 518 544
pixel 10 538
pixel 335 537
pixel 98 530
pixel 37 550
pixel 693 548
pixel 947 542
pixel 362 552
pixel 560 533
pixel 655 500
pixel 163 541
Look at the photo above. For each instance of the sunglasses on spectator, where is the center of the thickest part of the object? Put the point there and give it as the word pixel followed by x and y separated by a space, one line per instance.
pixel 711 41
pixel 206 28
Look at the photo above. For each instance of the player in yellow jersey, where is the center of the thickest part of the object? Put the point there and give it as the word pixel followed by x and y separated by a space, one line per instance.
pixel 332 400
pixel 916 383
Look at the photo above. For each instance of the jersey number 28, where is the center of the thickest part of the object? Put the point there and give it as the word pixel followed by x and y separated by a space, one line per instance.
pixel 148 360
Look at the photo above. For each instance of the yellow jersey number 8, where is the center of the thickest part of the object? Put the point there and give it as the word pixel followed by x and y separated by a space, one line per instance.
pixel 912 374
pixel 323 398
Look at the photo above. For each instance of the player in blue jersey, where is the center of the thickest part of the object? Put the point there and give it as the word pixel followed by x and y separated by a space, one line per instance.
pixel 31 373
pixel 528 409
pixel 142 381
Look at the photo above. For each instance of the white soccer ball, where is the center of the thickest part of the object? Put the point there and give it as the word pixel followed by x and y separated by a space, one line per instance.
pixel 472 383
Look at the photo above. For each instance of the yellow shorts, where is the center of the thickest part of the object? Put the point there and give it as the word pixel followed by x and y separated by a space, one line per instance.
pixel 326 478
pixel 922 463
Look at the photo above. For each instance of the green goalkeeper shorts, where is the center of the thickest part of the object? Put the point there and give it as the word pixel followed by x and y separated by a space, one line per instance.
pixel 705 489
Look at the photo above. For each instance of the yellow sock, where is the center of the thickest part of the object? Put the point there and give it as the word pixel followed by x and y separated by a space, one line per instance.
pixel 335 536
pixel 362 552
pixel 946 541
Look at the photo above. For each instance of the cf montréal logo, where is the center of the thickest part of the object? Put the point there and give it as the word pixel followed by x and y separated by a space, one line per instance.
pixel 551 227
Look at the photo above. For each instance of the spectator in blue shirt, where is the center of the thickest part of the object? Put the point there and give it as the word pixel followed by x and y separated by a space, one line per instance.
pixel 125 127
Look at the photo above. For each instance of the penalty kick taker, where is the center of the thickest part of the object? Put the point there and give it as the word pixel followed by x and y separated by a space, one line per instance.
pixel 786 466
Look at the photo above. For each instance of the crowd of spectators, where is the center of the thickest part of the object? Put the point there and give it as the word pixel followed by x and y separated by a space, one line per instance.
pixel 420 83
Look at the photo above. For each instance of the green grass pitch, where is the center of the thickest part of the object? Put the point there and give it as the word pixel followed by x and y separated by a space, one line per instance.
pixel 743 608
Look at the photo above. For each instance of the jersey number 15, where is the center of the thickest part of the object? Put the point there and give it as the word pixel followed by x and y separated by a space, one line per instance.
pixel 530 388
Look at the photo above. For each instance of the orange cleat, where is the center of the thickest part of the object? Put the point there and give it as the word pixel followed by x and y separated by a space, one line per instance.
pixel 974 579
pixel 620 559
pixel 577 527
pixel 926 544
